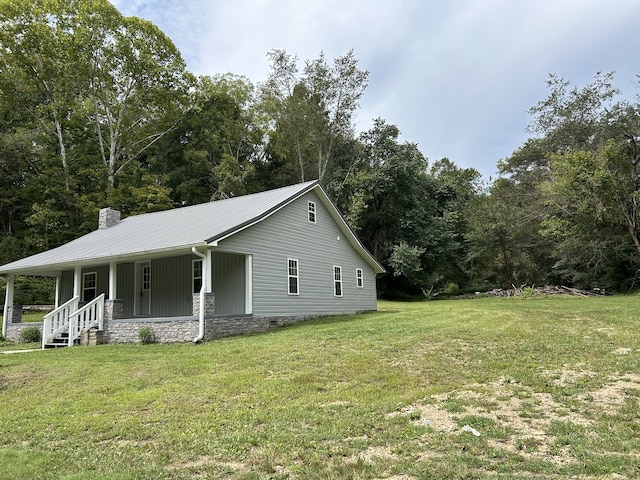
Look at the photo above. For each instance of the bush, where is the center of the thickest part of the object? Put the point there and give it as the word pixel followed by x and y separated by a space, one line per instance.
pixel 30 335
pixel 147 335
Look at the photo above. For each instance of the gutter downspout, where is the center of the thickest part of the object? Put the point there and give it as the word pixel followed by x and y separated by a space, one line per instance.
pixel 6 310
pixel 202 290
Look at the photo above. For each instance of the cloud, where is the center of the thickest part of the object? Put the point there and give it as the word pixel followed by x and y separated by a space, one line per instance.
pixel 457 77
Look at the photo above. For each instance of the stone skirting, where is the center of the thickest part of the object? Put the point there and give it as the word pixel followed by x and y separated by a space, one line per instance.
pixel 230 325
pixel 14 329
pixel 179 329
pixel 169 330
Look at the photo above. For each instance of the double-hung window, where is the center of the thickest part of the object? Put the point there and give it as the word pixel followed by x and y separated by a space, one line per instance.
pixel 293 276
pixel 359 278
pixel 197 276
pixel 337 281
pixel 89 286
pixel 312 212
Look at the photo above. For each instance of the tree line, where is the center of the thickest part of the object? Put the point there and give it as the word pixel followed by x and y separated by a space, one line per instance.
pixel 98 109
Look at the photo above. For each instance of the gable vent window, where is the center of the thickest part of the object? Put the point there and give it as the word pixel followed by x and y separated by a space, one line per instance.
pixel 89 285
pixel 312 212
pixel 337 281
pixel 293 276
pixel 359 278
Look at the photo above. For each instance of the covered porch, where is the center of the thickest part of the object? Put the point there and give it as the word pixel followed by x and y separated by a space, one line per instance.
pixel 171 293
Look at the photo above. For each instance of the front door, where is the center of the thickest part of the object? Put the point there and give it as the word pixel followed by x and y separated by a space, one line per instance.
pixel 143 287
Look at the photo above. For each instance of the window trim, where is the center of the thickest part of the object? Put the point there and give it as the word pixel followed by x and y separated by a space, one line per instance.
pixel 338 290
pixel 193 275
pixel 86 275
pixel 290 276
pixel 311 212
pixel 359 278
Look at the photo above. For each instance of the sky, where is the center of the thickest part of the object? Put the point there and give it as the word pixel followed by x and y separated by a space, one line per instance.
pixel 457 77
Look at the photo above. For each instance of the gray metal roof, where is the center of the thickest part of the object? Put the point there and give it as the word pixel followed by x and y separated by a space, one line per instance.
pixel 174 230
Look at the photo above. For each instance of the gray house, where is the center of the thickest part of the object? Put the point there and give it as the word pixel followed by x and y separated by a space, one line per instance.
pixel 243 264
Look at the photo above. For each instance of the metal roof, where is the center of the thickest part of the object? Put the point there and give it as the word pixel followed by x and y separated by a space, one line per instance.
pixel 174 230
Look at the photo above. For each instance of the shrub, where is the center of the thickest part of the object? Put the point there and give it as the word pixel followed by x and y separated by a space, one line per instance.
pixel 147 335
pixel 30 335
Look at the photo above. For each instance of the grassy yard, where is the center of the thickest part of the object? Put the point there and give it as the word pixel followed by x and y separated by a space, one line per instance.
pixel 550 385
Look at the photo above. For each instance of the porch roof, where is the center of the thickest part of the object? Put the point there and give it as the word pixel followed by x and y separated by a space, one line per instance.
pixel 175 232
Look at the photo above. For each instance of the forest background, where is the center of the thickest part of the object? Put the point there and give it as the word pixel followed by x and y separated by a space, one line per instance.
pixel 98 109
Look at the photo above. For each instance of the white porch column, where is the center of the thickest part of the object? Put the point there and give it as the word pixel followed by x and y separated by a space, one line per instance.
pixel 206 274
pixel 113 280
pixel 8 301
pixel 56 300
pixel 248 286
pixel 77 281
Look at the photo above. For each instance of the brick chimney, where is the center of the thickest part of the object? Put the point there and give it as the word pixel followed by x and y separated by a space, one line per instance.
pixel 108 218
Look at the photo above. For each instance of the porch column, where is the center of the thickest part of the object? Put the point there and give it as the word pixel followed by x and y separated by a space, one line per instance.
pixel 77 281
pixel 207 277
pixel 113 280
pixel 113 307
pixel 248 284
pixel 56 300
pixel 8 301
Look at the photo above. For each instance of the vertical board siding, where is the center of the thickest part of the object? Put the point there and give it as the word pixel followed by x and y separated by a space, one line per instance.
pixel 125 287
pixel 229 282
pixel 66 287
pixel 171 285
pixel 317 247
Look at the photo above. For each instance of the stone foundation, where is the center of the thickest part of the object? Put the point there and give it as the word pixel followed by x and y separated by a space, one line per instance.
pixel 179 329
pixel 168 330
pixel 14 329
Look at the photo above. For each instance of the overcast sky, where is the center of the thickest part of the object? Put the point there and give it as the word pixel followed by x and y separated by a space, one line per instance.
pixel 457 77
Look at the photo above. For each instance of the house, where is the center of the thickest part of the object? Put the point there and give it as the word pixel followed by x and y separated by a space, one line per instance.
pixel 238 265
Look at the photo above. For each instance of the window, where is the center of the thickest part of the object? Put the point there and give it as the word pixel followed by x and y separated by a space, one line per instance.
pixel 197 276
pixel 312 212
pixel 359 278
pixel 293 276
pixel 337 281
pixel 89 283
pixel 146 277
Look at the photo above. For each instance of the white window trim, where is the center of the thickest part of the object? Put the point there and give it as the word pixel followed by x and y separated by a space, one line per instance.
pixel 312 212
pixel 337 281
pixel 84 284
pixel 193 274
pixel 359 278
pixel 296 276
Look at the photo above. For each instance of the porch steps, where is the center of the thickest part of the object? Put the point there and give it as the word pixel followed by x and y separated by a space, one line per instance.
pixel 58 342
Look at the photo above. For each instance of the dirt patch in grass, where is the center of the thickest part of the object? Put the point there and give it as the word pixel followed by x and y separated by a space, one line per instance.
pixel 516 419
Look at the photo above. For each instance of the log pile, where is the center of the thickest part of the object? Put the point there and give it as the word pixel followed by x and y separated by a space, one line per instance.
pixel 547 290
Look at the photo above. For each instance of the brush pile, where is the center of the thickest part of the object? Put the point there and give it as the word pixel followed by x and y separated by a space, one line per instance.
pixel 548 290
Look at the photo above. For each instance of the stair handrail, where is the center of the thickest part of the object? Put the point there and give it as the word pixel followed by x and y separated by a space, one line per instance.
pixel 87 316
pixel 57 321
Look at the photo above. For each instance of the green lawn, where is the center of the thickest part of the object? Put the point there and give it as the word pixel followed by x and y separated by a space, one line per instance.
pixel 550 384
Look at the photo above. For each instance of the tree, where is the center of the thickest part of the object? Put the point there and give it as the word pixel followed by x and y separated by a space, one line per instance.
pixel 310 112
pixel 102 84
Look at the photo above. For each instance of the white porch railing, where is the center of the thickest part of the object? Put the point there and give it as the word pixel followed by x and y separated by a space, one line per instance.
pixel 70 319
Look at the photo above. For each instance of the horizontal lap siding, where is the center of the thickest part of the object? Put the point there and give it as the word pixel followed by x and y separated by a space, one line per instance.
pixel 317 247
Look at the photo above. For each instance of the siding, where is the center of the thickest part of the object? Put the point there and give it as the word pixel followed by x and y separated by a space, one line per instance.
pixel 229 279
pixel 171 285
pixel 318 247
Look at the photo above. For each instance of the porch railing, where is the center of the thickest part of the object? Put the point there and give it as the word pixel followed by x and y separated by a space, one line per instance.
pixel 71 320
